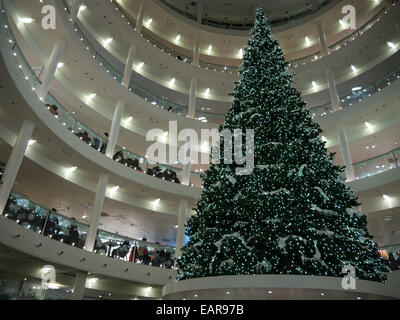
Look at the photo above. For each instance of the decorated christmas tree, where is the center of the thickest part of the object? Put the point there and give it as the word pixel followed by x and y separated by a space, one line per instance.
pixel 293 214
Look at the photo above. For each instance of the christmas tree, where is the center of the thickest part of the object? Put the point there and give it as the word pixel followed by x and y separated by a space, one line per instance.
pixel 293 214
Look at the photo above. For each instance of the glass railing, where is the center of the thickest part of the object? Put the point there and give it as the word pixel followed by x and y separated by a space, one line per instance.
pixel 91 138
pixel 246 26
pixel 358 94
pixel 53 225
pixel 376 165
pixel 232 69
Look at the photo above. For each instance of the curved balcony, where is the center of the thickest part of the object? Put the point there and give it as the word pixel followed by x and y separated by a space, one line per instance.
pixel 94 140
pixel 320 110
pixel 71 232
pixel 136 162
pixel 235 69
pixel 218 118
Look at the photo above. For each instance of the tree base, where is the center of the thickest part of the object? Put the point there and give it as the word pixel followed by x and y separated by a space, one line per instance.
pixel 280 287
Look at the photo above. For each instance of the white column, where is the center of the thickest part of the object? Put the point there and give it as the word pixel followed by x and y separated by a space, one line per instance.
pixel 96 212
pixel 14 162
pixel 73 14
pixel 187 174
pixel 200 9
pixel 79 286
pixel 50 68
pixel 196 51
pixel 322 38
pixel 330 77
pixel 180 234
pixel 346 155
pixel 128 66
pixel 139 21
pixel 192 98
pixel 115 126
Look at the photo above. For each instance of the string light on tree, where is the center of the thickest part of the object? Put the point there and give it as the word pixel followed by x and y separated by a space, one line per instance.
pixel 293 214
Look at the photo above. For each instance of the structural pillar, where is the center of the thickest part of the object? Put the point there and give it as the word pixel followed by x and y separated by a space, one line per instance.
pixel 96 212
pixel 14 162
pixel 50 68
pixel 128 66
pixel 139 21
pixel 192 98
pixel 330 77
pixel 180 235
pixel 74 11
pixel 79 286
pixel 115 126
pixel 196 51
pixel 322 39
pixel 346 155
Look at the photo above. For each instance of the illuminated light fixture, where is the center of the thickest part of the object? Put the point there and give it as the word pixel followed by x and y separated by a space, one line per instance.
pixel 82 8
pixel 69 171
pixel 324 139
pixel 240 54
pixel 343 24
pixel 147 290
pixel 391 44
pixel 84 217
pixel 308 41
pixel 92 281
pixel 176 227
pixel 156 203
pixel 178 37
pixel 26 20
pixel 60 65
pixel 31 142
pixel 148 22
pixel 128 120
pixel 108 41
pixel 315 85
pixel 356 89
pixel 369 126
pixel 207 93
pixel 209 48
pixel 91 96
pixel 354 68
pixel 172 82
pixel 114 190
pixel 140 66
pixel 387 198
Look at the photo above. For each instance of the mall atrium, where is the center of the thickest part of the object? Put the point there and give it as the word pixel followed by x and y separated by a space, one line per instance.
pixel 83 83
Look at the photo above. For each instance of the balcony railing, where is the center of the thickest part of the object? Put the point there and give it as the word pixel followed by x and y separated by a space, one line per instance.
pixel 69 231
pixel 90 137
pixel 321 110
pixel 359 94
pixel 247 26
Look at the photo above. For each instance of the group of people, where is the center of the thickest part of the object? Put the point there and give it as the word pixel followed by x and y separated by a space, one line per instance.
pixel 160 257
pixel 95 142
